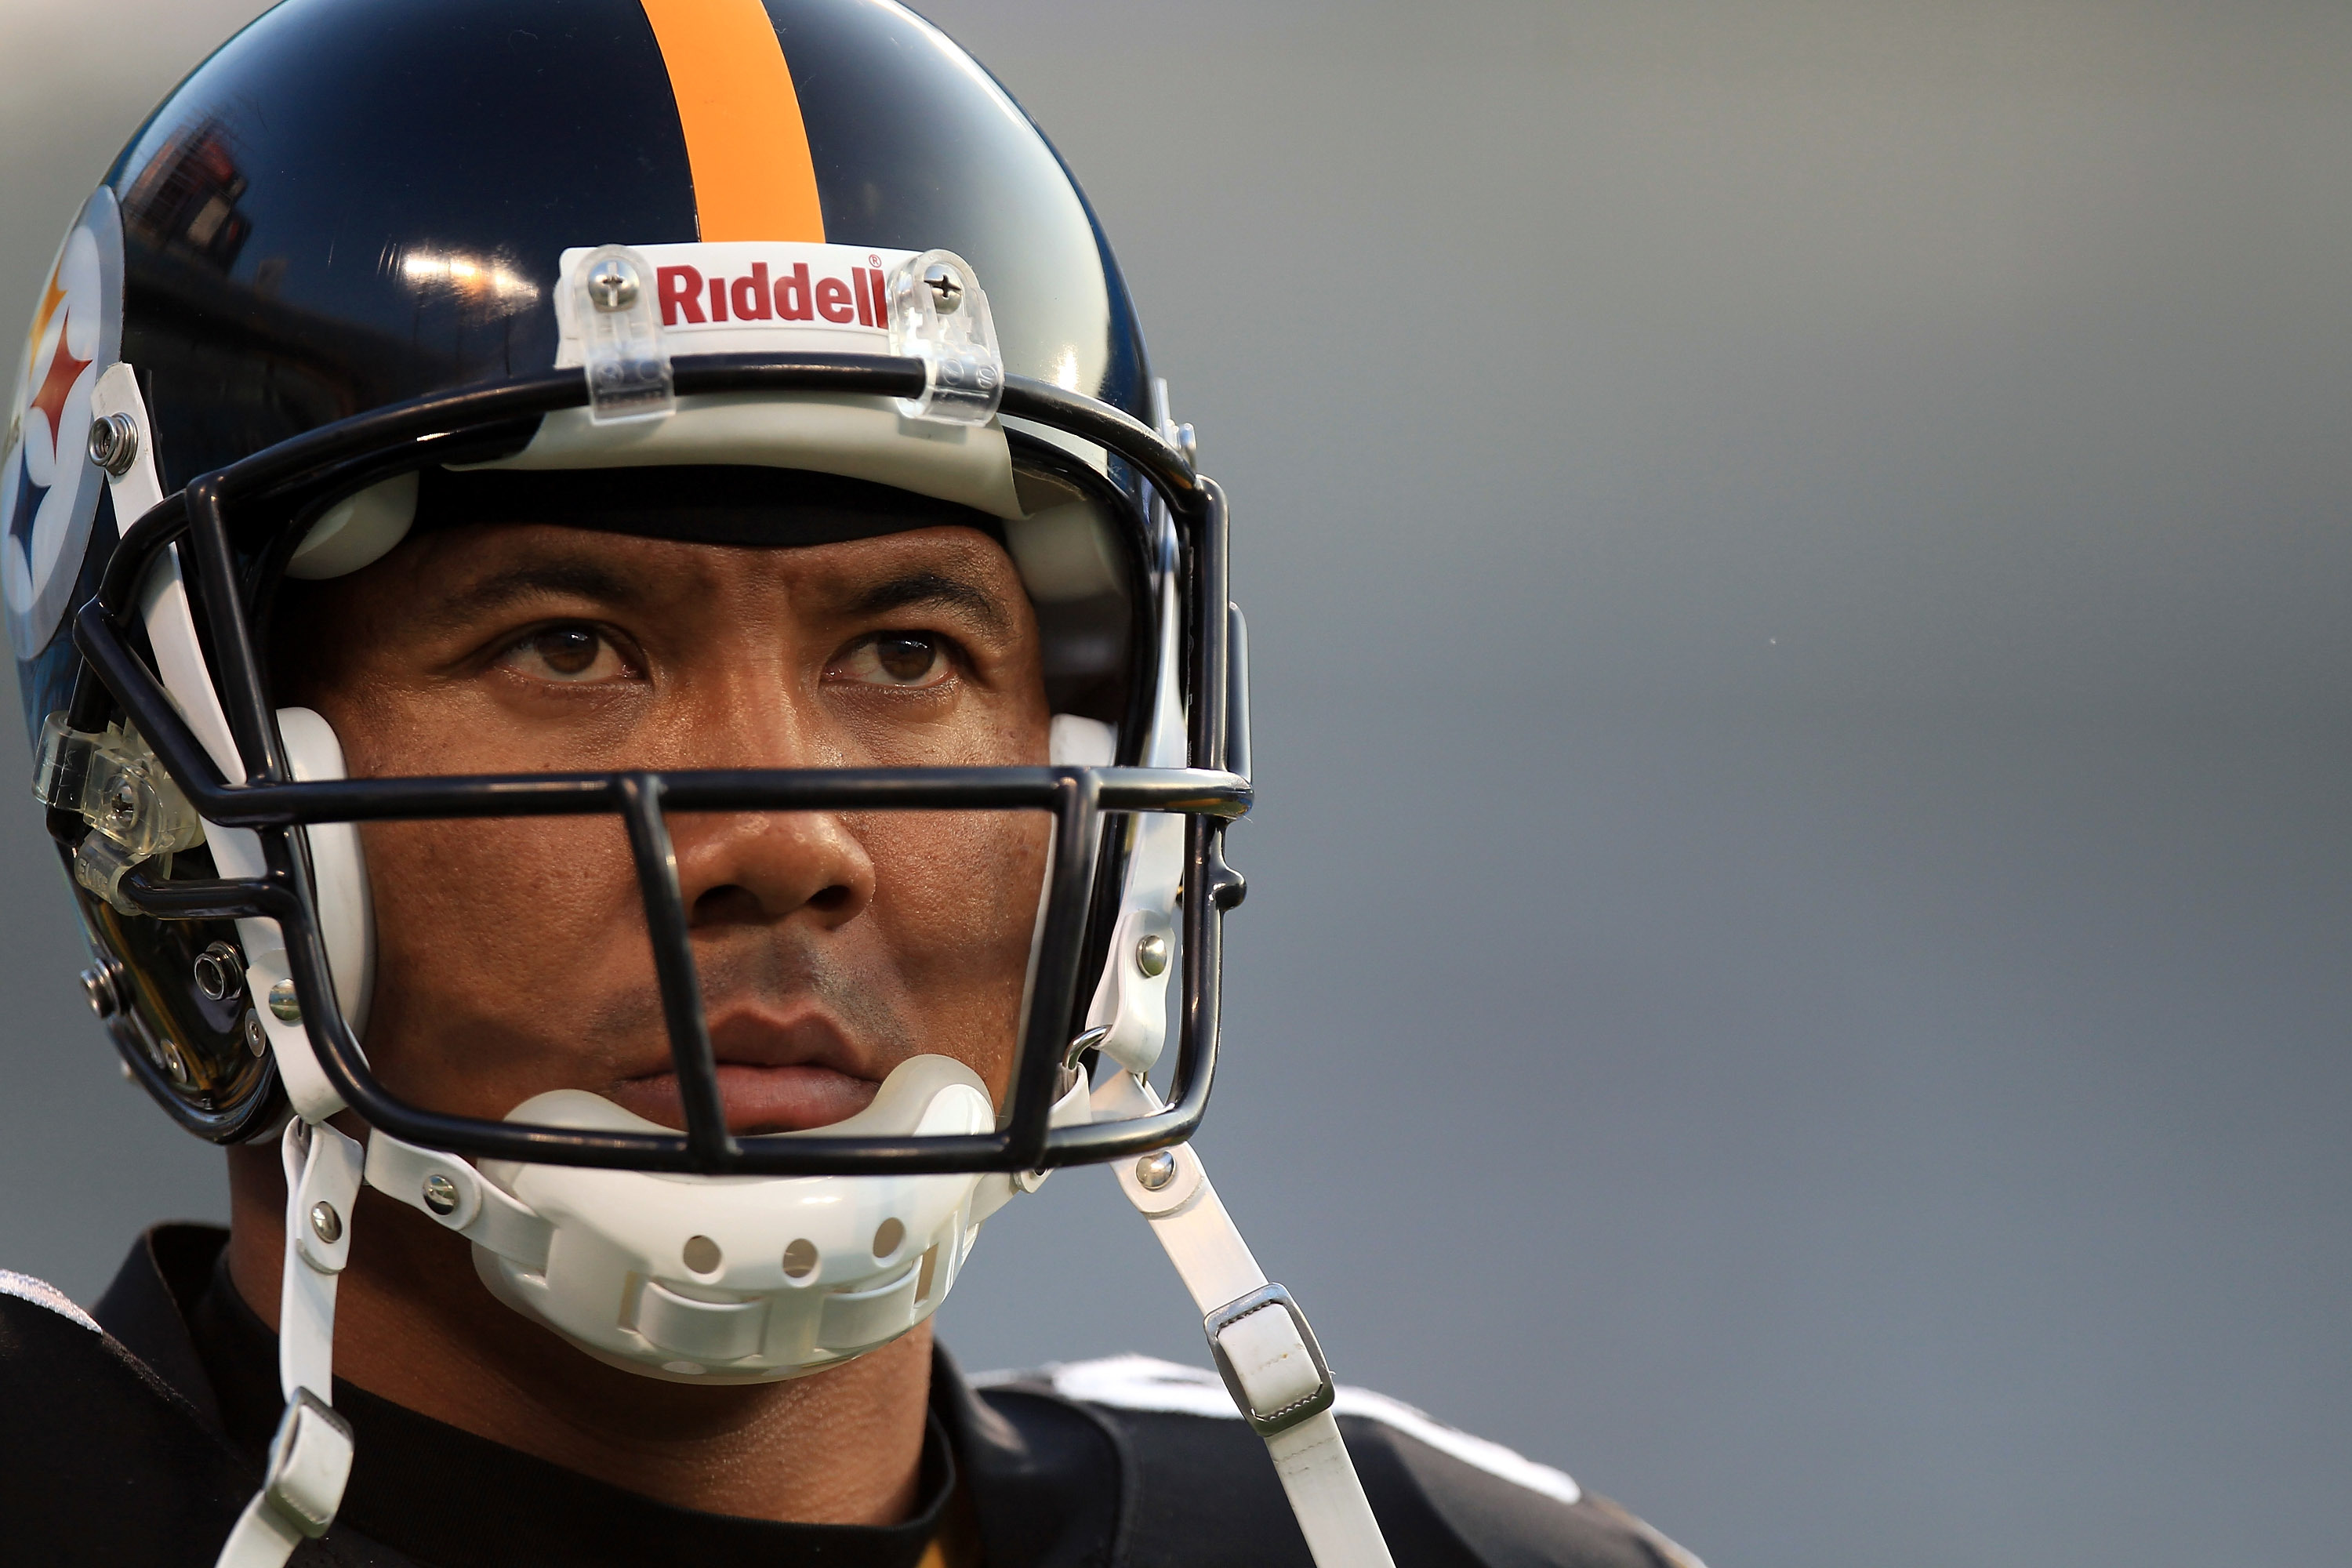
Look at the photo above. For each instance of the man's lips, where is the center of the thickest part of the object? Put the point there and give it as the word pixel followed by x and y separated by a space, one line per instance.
pixel 758 1098
pixel 777 1073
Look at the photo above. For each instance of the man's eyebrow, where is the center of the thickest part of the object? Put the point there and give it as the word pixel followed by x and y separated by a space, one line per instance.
pixel 932 588
pixel 576 579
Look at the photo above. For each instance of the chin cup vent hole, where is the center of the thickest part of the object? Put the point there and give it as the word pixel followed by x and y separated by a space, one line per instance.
pixel 887 1238
pixel 702 1254
pixel 930 1271
pixel 800 1260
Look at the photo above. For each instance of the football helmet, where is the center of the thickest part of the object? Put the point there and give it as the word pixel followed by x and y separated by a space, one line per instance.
pixel 764 272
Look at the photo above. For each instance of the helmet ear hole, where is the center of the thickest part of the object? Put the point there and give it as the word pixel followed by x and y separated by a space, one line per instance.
pixel 154 988
pixel 337 869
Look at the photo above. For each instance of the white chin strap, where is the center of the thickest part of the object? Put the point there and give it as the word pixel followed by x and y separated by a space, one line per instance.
pixel 310 1458
pixel 1257 1337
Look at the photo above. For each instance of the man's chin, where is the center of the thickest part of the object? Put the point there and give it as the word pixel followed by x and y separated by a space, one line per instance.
pixel 758 1098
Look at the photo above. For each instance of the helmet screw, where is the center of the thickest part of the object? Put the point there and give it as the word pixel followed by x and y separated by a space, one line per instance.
pixel 946 288
pixel 257 1039
pixel 175 1064
pixel 1155 1170
pixel 101 983
pixel 284 1003
pixel 613 284
pixel 325 1223
pixel 440 1194
pixel 1152 955
pixel 219 973
pixel 114 443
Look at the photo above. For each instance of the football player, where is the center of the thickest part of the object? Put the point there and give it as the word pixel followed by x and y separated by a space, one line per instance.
pixel 637 694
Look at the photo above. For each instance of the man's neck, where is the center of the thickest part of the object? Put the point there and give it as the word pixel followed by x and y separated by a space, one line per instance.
pixel 414 1325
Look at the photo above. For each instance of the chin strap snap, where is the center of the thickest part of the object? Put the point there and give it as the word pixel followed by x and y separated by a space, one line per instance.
pixel 310 1458
pixel 1258 1338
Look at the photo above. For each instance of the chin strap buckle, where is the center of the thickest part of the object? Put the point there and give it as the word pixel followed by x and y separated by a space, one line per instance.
pixel 309 1462
pixel 1269 1359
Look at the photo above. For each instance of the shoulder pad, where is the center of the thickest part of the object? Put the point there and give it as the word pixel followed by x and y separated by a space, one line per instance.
pixel 41 1293
pixel 100 1460
pixel 1206 1494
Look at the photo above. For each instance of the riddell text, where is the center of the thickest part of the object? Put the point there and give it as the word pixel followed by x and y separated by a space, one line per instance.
pixel 686 296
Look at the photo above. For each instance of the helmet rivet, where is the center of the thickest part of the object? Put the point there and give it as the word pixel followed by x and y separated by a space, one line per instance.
pixel 175 1064
pixel 440 1194
pixel 257 1038
pixel 947 289
pixel 114 443
pixel 325 1223
pixel 1155 1170
pixel 219 973
pixel 613 284
pixel 98 982
pixel 284 1003
pixel 1152 955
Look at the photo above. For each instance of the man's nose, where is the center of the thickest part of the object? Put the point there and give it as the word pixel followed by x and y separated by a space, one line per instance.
pixel 763 867
pixel 745 869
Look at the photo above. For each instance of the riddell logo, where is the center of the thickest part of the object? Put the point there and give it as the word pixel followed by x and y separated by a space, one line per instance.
pixel 687 296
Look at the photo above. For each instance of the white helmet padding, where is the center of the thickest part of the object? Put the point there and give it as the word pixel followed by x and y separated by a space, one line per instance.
pixel 855 437
pixel 357 530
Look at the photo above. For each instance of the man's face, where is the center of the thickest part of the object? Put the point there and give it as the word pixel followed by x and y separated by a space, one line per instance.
pixel 512 955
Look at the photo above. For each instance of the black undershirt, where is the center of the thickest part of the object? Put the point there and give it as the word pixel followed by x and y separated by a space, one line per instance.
pixel 450 1499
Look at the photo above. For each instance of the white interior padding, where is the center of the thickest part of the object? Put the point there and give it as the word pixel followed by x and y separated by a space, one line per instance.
pixel 1078 743
pixel 357 530
pixel 856 438
pixel 1063 553
pixel 346 918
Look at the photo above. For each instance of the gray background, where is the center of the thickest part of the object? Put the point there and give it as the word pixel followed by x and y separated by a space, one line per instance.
pixel 1798 561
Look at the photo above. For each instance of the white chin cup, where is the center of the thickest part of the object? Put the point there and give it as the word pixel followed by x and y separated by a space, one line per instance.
pixel 742 1278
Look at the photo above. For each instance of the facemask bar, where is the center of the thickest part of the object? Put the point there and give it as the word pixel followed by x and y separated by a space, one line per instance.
pixel 446 428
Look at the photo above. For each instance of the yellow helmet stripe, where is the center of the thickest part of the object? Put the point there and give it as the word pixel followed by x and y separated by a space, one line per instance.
pixel 753 178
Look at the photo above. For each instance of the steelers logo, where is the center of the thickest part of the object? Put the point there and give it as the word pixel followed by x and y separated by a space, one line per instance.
pixel 48 486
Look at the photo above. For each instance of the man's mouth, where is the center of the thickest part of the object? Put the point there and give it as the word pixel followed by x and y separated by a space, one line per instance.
pixel 776 1075
pixel 758 1098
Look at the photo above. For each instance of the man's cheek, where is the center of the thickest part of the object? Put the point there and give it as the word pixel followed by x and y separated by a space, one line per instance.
pixel 954 876
pixel 494 929
pixel 955 906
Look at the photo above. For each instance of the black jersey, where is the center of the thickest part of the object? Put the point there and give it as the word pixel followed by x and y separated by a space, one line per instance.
pixel 131 1437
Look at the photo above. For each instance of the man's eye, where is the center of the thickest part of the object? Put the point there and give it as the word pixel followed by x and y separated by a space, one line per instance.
pixel 573 654
pixel 897 659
